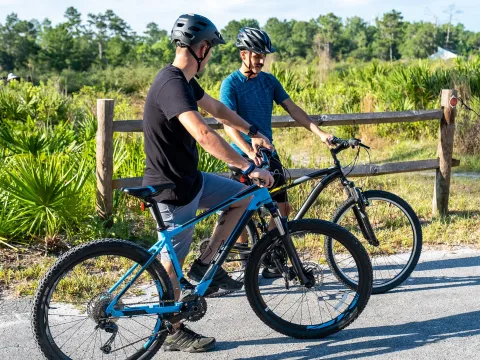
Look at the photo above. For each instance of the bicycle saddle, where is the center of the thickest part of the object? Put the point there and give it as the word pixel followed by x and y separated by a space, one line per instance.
pixel 146 192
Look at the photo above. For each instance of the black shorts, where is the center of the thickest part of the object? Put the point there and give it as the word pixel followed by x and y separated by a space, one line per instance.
pixel 278 175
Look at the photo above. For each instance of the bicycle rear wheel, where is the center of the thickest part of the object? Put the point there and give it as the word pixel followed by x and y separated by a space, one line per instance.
pixel 398 230
pixel 69 319
pixel 295 310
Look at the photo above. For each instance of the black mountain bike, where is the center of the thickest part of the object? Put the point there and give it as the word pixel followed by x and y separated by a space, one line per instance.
pixel 385 224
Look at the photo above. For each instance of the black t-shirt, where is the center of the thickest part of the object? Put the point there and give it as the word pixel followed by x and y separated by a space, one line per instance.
pixel 171 151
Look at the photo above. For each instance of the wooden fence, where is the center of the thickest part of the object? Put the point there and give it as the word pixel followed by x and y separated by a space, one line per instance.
pixel 443 164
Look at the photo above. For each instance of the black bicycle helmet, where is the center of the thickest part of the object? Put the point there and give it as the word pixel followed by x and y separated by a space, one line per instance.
pixel 254 40
pixel 190 29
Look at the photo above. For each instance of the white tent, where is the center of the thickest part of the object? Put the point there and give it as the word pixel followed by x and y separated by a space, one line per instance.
pixel 443 54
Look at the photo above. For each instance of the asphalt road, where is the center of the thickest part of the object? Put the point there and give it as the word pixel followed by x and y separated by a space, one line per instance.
pixel 434 315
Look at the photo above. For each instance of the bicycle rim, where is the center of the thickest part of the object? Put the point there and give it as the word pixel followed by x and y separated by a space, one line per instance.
pixel 313 312
pixel 400 241
pixel 75 321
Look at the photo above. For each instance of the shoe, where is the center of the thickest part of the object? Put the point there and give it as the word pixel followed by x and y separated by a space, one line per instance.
pixel 221 278
pixel 187 340
pixel 268 273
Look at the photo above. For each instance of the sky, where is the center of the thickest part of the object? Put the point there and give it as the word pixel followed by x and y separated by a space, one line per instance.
pixel 138 13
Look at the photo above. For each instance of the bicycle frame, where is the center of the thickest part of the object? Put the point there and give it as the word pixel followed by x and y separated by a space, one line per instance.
pixel 261 197
pixel 329 175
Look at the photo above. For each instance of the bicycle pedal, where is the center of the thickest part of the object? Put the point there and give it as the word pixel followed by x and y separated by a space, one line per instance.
pixel 169 327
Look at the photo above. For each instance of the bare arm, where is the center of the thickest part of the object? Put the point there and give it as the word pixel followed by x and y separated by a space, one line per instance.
pixel 303 119
pixel 230 118
pixel 223 114
pixel 211 141
pixel 242 144
pixel 214 144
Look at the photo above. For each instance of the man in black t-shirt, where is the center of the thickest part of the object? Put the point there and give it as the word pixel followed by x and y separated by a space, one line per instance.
pixel 172 128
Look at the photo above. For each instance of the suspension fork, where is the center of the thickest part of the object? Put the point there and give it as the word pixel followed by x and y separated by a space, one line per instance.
pixel 359 210
pixel 282 226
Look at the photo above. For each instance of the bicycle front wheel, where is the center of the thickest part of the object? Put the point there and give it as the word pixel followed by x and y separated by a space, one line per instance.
pixel 69 319
pixel 398 230
pixel 321 309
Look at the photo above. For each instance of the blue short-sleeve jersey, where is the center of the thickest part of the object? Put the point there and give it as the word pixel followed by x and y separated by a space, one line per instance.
pixel 253 99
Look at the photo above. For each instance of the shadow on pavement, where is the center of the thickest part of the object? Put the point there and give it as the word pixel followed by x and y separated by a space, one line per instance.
pixel 393 338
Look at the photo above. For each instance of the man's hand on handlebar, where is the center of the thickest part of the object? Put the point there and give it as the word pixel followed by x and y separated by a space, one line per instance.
pixel 262 177
pixel 252 155
pixel 344 144
pixel 325 137
pixel 261 140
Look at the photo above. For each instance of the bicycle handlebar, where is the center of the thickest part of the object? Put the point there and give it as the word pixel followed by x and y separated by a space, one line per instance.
pixel 343 144
pixel 265 154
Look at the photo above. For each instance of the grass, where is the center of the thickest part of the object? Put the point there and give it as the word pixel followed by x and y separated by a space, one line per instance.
pixel 19 277
pixel 20 272
pixel 373 87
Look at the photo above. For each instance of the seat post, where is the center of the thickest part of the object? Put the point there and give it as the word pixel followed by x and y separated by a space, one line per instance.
pixel 157 215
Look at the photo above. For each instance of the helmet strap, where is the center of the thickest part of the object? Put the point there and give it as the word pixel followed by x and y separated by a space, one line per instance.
pixel 249 66
pixel 199 60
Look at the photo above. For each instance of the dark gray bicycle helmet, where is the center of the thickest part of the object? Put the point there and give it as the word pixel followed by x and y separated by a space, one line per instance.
pixel 254 40
pixel 190 29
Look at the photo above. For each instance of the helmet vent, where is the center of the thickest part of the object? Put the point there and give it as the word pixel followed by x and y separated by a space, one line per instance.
pixel 180 24
pixel 194 28
pixel 201 23
pixel 190 36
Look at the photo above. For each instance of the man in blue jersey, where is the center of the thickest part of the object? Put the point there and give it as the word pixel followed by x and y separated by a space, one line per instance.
pixel 251 93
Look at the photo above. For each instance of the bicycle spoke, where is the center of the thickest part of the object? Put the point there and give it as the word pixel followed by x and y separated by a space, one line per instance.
pixel 94 343
pixel 69 322
pixel 130 333
pixel 75 351
pixel 80 325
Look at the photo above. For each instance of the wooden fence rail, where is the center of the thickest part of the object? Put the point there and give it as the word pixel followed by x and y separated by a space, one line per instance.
pixel 443 164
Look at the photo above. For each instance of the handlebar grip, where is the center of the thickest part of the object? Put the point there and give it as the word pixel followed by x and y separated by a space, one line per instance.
pixel 335 141
pixel 258 181
pixel 265 154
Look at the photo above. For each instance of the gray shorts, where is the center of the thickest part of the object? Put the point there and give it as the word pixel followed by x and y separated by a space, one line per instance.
pixel 215 189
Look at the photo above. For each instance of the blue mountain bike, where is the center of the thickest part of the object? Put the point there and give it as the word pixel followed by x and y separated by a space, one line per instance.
pixel 113 299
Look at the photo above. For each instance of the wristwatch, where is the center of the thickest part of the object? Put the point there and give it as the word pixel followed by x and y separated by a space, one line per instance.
pixel 249 169
pixel 252 130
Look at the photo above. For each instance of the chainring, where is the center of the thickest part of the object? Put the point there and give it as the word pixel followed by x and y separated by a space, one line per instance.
pixel 277 251
pixel 199 309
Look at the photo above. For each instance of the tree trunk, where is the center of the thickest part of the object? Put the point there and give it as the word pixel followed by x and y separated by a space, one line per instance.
pixel 448 37
pixel 391 47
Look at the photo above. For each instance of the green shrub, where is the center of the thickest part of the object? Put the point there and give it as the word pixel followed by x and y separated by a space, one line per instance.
pixel 46 193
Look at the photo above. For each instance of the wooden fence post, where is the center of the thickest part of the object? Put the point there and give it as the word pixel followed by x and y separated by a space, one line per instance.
pixel 445 152
pixel 105 108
